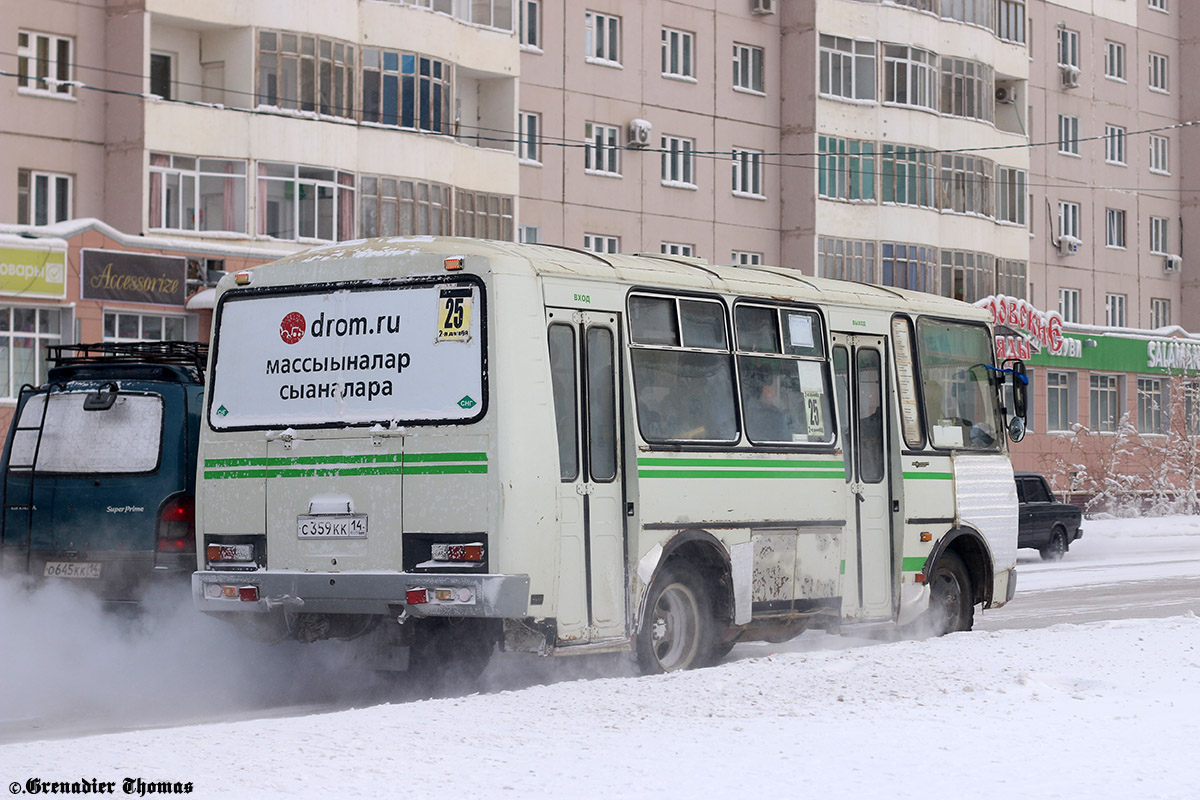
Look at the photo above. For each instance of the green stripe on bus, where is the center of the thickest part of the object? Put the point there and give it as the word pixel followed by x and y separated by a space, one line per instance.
pixel 793 463
pixel 739 473
pixel 929 476
pixel 912 564
pixel 346 466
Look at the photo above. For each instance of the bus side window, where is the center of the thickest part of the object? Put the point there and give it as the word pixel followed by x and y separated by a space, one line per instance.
pixel 562 377
pixel 602 415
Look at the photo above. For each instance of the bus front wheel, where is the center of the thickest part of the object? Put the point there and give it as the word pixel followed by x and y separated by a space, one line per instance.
pixel 677 630
pixel 951 601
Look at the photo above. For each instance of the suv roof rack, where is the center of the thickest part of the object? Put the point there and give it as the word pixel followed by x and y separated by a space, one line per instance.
pixel 185 354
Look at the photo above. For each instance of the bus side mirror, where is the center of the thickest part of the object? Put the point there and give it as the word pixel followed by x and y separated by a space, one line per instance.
pixel 1016 429
pixel 1020 388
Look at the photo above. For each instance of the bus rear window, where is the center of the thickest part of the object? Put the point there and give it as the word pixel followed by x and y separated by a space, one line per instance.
pixel 360 355
pixel 122 438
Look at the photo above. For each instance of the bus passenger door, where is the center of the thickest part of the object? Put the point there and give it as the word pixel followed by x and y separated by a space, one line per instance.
pixel 592 581
pixel 858 363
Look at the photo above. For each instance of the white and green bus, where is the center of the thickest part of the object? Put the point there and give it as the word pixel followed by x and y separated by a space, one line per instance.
pixel 455 444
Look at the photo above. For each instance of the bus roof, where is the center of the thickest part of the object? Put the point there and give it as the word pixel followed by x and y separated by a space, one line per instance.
pixel 376 257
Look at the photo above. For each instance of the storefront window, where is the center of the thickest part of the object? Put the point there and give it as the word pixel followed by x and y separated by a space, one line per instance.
pixel 24 335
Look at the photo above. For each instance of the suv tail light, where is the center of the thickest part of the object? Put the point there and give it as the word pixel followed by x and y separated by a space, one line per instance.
pixel 177 525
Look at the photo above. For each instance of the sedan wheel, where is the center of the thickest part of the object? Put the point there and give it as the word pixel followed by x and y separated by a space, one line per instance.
pixel 1057 548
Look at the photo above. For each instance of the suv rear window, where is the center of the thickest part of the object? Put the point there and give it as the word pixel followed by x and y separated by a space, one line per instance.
pixel 123 438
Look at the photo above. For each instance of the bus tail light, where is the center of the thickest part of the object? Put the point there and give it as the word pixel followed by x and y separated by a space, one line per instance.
pixel 415 597
pixel 230 554
pixel 216 591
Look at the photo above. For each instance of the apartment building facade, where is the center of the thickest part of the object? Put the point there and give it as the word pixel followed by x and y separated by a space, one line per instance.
pixel 1033 151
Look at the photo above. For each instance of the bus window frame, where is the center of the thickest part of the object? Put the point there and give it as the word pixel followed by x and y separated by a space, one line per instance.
pixel 824 359
pixel 631 347
pixel 997 422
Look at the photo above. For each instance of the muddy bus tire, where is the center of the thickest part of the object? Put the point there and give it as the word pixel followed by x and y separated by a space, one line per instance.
pixel 951 601
pixel 449 654
pixel 677 630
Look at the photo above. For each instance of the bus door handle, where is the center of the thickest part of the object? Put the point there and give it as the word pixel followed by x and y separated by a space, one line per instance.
pixel 585 488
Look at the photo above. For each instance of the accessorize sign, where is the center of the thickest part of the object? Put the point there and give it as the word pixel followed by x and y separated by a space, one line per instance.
pixel 33 272
pixel 133 277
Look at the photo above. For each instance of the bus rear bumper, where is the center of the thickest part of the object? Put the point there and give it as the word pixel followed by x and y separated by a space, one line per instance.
pixel 387 593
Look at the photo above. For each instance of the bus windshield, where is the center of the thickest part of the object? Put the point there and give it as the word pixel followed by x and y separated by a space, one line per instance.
pixel 961 404
pixel 355 355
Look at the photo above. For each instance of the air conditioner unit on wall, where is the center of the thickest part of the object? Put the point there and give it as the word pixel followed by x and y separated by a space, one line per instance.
pixel 1172 264
pixel 1068 245
pixel 762 6
pixel 1070 77
pixel 1004 94
pixel 638 133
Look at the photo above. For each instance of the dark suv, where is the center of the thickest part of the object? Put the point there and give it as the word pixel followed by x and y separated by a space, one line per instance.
pixel 98 473
pixel 1045 524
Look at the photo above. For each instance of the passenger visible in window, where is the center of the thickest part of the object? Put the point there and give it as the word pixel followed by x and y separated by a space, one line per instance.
pixel 767 416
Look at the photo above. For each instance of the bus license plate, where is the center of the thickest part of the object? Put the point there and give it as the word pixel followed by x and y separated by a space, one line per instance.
pixel 72 569
pixel 351 526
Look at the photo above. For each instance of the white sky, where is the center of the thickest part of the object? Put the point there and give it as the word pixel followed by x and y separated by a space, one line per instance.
pixel 1097 710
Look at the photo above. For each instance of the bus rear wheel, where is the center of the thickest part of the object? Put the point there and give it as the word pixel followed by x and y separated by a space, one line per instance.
pixel 449 654
pixel 677 630
pixel 951 600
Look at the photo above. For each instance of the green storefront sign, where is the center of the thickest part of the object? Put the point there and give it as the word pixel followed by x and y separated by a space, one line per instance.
pixel 33 272
pixel 1112 353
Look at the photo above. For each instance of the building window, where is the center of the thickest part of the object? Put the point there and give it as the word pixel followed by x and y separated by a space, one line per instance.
pixel 846 259
pixel 910 77
pixel 1160 312
pixel 1158 72
pixel 44 63
pixel 1010 20
pixel 1068 305
pixel 1158 5
pixel 1114 144
pixel 489 13
pixel 747 172
pixel 748 68
pixel 975 12
pixel 677 50
pixel 483 216
pixel 1150 405
pixel 1105 403
pixel 601 153
pixel 1159 154
pixel 1010 195
pixel 965 184
pixel 1011 277
pixel 967 89
pixel 1068 219
pixel 123 326
pixel 402 207
pixel 678 162
pixel 300 202
pixel 407 90
pixel 847 68
pixel 1060 401
pixel 1114 227
pixel 743 258
pixel 306 73
pixel 530 27
pixel 529 234
pixel 1068 135
pixel 529 147
pixel 908 266
pixel 1114 310
pixel 598 243
pixel 24 335
pixel 846 169
pixel 1068 48
pixel 906 176
pixel 967 276
pixel 603 38
pixel 1114 61
pixel 197 194
pixel 43 198
pixel 160 75
pixel 1158 236
pixel 677 249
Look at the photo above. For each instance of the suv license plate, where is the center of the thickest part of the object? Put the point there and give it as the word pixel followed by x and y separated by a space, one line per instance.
pixel 72 569
pixel 348 526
